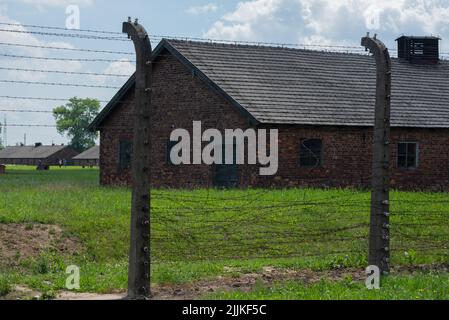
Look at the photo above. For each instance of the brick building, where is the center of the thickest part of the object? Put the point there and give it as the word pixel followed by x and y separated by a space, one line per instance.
pixel 322 103
pixel 88 158
pixel 36 155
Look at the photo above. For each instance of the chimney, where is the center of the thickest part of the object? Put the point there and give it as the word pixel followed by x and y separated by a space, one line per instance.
pixel 38 144
pixel 419 50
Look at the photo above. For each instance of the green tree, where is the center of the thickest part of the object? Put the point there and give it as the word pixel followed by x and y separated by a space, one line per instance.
pixel 73 119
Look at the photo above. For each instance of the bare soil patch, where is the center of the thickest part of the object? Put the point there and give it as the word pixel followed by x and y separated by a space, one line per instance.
pixel 23 241
pixel 90 296
pixel 247 282
pixel 22 293
pixel 242 282
pixel 269 276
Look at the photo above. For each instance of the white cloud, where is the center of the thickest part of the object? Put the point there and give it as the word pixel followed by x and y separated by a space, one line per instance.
pixel 230 32
pixel 342 20
pixel 121 67
pixel 29 39
pixel 198 10
pixel 252 11
pixel 240 23
pixel 331 22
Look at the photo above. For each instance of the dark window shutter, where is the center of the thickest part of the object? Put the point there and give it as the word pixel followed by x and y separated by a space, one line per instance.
pixel 125 157
pixel 310 153
pixel 170 145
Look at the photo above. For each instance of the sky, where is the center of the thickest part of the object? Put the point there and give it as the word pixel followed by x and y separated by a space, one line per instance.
pixel 308 22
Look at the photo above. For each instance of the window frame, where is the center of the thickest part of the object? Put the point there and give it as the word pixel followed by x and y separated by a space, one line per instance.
pixel 168 147
pixel 121 163
pixel 417 155
pixel 321 154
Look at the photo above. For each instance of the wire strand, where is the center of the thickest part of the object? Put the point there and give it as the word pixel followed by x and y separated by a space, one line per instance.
pixel 67 35
pixel 63 59
pixel 59 84
pixel 66 72
pixel 65 49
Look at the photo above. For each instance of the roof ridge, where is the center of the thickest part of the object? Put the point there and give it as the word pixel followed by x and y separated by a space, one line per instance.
pixel 230 44
pixel 266 45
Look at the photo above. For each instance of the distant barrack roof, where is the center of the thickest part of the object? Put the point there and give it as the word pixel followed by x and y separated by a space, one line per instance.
pixel 29 152
pixel 90 154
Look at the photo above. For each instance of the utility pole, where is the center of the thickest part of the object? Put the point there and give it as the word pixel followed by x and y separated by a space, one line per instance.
pixel 5 133
pixel 139 253
pixel 379 242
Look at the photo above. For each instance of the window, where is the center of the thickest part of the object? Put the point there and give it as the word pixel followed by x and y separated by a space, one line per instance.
pixel 126 150
pixel 407 155
pixel 170 145
pixel 310 153
pixel 418 48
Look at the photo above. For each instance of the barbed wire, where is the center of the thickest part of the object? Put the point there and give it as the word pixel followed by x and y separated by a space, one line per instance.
pixel 44 98
pixel 25 111
pixel 59 28
pixel 60 84
pixel 63 59
pixel 30 125
pixel 67 35
pixel 66 72
pixel 120 36
pixel 66 49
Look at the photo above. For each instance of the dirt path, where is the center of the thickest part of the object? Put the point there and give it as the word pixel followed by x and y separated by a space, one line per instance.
pixel 247 282
pixel 244 282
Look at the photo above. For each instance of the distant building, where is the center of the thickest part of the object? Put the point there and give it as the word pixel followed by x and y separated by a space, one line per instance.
pixel 36 155
pixel 89 158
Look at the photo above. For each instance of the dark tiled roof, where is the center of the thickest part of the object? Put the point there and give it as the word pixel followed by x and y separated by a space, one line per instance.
pixel 29 152
pixel 291 86
pixel 279 85
pixel 90 154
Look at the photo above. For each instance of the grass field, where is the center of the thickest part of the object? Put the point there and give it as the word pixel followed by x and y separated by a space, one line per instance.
pixel 203 234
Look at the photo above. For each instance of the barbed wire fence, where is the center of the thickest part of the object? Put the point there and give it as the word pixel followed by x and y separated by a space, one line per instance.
pixel 213 225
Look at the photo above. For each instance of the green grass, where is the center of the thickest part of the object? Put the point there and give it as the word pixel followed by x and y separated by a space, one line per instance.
pixel 197 234
pixel 416 287
pixel 5 286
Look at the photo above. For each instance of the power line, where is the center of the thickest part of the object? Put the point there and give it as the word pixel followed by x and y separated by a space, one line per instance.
pixel 66 49
pixel 60 84
pixel 62 59
pixel 67 72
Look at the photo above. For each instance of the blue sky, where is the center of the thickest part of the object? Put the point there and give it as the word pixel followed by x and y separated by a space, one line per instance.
pixel 324 22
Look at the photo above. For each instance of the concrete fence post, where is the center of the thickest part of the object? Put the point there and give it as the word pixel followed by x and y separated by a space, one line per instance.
pixel 139 253
pixel 379 241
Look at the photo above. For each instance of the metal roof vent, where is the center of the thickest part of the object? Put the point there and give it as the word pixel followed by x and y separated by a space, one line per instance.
pixel 419 50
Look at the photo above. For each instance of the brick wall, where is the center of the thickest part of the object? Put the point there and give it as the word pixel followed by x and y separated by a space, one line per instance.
pixel 67 153
pixel 179 98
